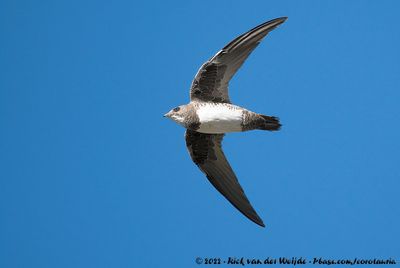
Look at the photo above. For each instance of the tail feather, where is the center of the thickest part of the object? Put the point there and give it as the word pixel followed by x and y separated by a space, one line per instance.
pixel 270 123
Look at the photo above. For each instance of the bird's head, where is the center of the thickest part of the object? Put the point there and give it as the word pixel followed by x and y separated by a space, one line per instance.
pixel 177 114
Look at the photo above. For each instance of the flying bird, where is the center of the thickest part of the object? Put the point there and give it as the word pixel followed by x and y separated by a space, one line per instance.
pixel 210 114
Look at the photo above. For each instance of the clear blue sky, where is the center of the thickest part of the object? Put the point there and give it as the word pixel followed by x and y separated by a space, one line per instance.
pixel 92 175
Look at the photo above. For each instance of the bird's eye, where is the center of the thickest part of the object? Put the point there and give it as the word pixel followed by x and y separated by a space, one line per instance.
pixel 176 109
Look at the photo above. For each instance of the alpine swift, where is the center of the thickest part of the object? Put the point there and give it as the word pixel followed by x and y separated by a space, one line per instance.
pixel 210 114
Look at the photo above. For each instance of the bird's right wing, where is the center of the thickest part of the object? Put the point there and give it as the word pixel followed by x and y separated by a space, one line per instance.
pixel 207 154
pixel 212 79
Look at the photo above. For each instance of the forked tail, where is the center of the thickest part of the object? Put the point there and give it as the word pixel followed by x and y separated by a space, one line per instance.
pixel 270 123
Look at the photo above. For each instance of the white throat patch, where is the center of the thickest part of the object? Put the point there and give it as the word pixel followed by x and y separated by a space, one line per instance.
pixel 178 119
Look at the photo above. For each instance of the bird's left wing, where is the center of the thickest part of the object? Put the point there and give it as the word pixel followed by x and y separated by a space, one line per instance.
pixel 207 154
pixel 212 79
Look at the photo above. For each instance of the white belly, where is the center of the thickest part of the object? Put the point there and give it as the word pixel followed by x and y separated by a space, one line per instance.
pixel 219 118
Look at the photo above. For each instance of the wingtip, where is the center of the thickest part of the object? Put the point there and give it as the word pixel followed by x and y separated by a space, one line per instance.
pixel 281 19
pixel 254 218
pixel 272 24
pixel 258 221
pixel 261 224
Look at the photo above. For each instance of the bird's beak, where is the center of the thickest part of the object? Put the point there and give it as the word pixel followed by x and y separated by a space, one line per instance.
pixel 167 114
